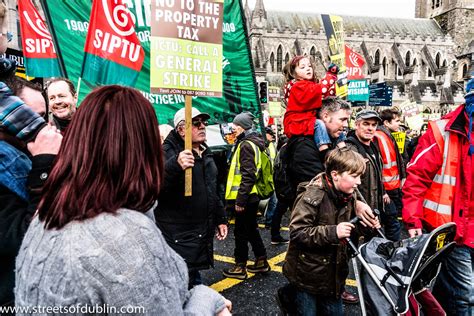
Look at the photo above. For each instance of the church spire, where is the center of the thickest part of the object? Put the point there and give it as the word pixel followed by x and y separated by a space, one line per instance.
pixel 259 11
pixel 247 11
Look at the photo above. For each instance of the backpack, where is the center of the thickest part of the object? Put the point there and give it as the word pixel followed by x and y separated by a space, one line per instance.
pixel 264 183
pixel 283 188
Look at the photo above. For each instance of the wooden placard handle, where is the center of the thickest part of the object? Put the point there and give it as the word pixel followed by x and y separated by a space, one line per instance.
pixel 188 144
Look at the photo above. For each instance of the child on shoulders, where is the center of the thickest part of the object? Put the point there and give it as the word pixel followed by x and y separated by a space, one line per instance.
pixel 303 96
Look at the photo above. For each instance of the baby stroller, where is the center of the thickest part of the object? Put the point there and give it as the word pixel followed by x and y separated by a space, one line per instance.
pixel 397 270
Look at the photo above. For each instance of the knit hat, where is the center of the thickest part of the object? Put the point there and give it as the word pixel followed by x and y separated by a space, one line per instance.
pixel 469 97
pixel 244 120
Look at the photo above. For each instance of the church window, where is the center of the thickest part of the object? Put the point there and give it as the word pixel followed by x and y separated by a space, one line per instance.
pixel 438 60
pixel 384 66
pixel 287 58
pixel 319 56
pixel 272 62
pixel 279 58
pixel 377 57
pixel 430 74
pixel 415 62
pixel 312 52
pixel 464 71
pixel 257 59
pixel 445 63
pixel 407 58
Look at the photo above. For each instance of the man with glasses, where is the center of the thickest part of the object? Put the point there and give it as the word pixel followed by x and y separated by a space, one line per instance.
pixel 190 223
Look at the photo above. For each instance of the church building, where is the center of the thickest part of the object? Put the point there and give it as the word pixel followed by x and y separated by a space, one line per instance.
pixel 426 59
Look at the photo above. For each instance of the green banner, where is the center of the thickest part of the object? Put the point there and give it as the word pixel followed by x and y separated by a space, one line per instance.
pixel 68 21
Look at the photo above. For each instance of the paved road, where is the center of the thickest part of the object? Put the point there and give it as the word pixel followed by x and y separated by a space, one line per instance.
pixel 256 295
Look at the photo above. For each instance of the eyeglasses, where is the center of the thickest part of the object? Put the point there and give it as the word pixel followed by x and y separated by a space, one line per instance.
pixel 197 123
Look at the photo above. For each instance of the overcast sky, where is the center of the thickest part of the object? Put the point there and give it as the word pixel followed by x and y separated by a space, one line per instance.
pixel 380 8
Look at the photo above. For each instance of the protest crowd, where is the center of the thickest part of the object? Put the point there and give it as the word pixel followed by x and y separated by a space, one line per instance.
pixel 94 209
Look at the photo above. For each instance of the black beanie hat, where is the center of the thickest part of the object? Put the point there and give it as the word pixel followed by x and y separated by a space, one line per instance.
pixel 244 120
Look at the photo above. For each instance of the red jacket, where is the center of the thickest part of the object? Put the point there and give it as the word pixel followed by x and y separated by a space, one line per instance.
pixel 304 98
pixel 423 167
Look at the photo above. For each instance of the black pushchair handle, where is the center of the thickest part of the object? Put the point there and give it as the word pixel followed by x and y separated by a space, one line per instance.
pixel 379 231
pixel 357 219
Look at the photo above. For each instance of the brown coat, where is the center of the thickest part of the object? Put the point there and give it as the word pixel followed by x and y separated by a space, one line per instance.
pixel 316 261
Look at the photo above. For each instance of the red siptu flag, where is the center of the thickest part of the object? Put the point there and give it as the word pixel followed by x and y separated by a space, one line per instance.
pixel 38 49
pixel 112 53
pixel 354 63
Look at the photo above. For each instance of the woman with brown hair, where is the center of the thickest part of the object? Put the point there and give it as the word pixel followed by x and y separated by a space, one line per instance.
pixel 94 242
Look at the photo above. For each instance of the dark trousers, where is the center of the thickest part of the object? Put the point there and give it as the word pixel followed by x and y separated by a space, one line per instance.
pixel 308 304
pixel 280 210
pixel 390 222
pixel 396 197
pixel 246 231
pixel 194 278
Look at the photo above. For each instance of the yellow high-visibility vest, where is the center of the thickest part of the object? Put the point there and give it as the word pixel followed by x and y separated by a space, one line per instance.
pixel 272 151
pixel 234 178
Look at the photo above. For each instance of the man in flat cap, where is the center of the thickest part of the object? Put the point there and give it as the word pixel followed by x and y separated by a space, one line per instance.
pixel 361 140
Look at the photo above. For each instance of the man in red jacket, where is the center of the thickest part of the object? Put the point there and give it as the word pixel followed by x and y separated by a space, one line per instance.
pixel 439 189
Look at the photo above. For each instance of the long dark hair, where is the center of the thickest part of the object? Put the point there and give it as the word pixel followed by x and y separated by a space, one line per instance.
pixel 110 158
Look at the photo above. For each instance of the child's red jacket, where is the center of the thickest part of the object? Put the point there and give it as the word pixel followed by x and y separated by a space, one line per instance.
pixel 304 98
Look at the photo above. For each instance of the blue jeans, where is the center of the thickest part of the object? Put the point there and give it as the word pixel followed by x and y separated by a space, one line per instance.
pixel 390 222
pixel 454 284
pixel 272 203
pixel 312 305
pixel 280 210
pixel 321 136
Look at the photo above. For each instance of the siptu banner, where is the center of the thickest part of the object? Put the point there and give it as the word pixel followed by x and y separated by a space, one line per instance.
pixel 334 29
pixel 186 47
pixel 112 52
pixel 354 63
pixel 69 21
pixel 40 56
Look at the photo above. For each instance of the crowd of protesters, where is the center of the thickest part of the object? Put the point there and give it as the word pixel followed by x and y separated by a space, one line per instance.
pixel 92 180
